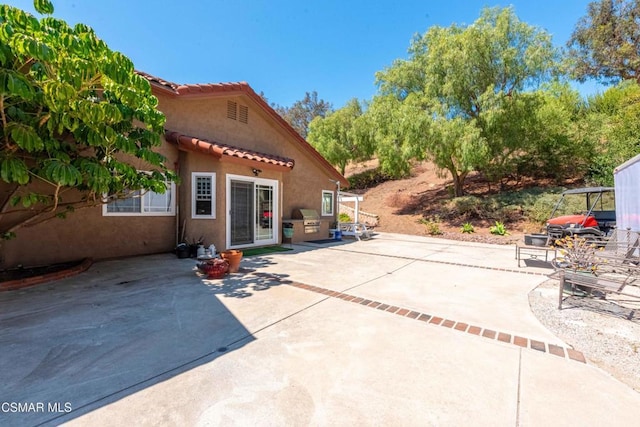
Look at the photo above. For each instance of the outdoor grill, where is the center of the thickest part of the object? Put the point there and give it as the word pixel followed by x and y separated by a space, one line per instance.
pixel 310 219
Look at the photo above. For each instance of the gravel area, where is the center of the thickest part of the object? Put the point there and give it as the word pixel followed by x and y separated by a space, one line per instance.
pixel 607 331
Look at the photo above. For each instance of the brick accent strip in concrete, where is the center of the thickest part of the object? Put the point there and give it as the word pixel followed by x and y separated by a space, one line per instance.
pixel 461 327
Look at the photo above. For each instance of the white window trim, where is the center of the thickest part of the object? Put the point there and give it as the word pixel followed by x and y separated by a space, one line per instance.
pixel 195 175
pixel 172 210
pixel 333 203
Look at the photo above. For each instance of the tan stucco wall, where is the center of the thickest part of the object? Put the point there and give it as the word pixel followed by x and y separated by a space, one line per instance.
pixel 86 233
pixel 206 118
pixel 214 230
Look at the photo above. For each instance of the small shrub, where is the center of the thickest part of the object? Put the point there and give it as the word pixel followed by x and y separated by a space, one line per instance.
pixel 498 229
pixel 367 179
pixel 432 224
pixel 509 213
pixel 467 227
pixel 540 210
pixel 343 217
pixel 468 206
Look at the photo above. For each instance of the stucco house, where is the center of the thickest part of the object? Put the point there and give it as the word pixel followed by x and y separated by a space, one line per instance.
pixel 243 169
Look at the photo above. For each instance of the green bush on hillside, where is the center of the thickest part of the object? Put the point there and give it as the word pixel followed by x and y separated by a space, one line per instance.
pixel 540 211
pixel 367 179
pixel 534 204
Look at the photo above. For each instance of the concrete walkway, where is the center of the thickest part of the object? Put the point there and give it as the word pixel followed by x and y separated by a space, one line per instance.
pixel 398 330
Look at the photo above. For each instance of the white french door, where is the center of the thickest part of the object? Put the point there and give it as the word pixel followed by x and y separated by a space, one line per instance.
pixel 252 211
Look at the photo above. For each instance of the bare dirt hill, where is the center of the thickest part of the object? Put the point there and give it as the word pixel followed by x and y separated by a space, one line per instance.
pixel 401 204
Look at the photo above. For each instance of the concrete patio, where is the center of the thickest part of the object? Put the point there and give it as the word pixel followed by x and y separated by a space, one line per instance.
pixel 397 330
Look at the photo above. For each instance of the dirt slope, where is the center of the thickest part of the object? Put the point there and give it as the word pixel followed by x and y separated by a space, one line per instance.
pixel 400 204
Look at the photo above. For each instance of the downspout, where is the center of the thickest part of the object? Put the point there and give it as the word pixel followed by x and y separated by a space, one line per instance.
pixel 176 166
pixel 337 203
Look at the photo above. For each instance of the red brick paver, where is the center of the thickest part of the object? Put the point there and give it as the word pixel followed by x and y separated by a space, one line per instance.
pixel 537 345
pixel 504 337
pixel 522 342
pixel 448 323
pixel 436 320
pixel 461 327
pixel 556 350
pixel 488 333
pixel 576 355
pixel 474 330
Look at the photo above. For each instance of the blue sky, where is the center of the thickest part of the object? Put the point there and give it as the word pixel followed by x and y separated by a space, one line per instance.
pixel 285 48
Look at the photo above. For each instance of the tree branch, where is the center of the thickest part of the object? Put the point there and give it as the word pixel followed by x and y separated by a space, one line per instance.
pixel 3 116
pixel 55 198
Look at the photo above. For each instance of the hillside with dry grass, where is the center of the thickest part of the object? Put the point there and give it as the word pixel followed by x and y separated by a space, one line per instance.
pixel 420 205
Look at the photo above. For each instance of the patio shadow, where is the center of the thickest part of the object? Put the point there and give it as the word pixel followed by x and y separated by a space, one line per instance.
pixel 124 325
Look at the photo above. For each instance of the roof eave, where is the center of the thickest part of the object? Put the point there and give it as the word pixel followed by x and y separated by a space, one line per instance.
pixel 237 89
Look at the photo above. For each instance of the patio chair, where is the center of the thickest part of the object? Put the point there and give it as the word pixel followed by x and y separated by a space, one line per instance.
pixel 355 229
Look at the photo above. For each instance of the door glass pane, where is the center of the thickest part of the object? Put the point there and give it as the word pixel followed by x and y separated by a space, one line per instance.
pixel 242 212
pixel 264 212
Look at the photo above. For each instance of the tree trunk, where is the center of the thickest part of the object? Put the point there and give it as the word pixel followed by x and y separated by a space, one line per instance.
pixel 458 186
pixel 458 183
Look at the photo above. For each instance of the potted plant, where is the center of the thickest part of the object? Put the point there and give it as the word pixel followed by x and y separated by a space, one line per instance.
pixel 182 250
pixel 578 256
pixel 194 244
pixel 215 268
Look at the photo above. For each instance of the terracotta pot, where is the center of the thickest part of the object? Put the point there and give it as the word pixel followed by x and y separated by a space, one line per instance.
pixel 233 257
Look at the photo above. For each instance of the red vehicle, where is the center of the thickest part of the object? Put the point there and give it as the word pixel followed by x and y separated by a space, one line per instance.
pixel 597 222
pixel 266 218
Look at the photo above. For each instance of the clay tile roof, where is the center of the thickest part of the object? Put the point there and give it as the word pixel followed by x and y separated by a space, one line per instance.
pixel 158 80
pixel 195 89
pixel 218 150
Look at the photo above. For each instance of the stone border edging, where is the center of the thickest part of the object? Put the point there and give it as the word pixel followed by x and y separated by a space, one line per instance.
pixel 503 337
pixel 13 285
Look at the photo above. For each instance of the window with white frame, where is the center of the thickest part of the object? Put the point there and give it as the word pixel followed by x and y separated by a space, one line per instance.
pixel 143 203
pixel 327 203
pixel 203 195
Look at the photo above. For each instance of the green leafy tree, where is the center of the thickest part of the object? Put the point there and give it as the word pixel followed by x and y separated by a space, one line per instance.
pixel 76 120
pixel 341 136
pixel 535 134
pixel 465 91
pixel 399 129
pixel 604 44
pixel 612 125
pixel 302 112
pixel 556 144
